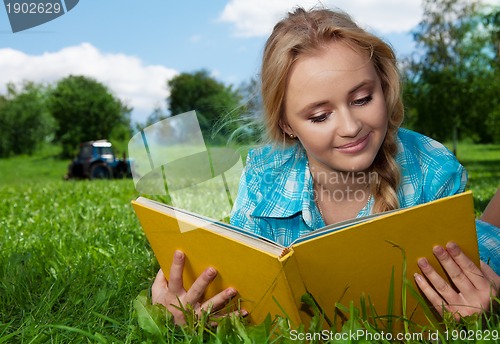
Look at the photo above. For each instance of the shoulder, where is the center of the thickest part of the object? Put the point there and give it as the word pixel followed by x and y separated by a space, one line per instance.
pixel 271 169
pixel 422 147
pixel 271 186
pixel 429 170
pixel 269 158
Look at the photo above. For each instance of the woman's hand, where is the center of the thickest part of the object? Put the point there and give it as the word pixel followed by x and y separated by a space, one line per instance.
pixel 172 292
pixel 475 286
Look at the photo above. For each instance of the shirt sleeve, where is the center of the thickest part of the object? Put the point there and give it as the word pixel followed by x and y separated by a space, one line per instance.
pixel 488 238
pixel 448 179
pixel 430 171
pixel 249 195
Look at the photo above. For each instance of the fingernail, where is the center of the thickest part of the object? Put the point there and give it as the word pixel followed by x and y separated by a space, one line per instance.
pixel 243 313
pixel 231 292
pixel 417 277
pixel 179 254
pixel 452 247
pixel 211 272
pixel 438 250
pixel 423 263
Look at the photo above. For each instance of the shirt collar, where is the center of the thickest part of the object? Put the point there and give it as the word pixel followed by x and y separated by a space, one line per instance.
pixel 292 189
pixel 310 212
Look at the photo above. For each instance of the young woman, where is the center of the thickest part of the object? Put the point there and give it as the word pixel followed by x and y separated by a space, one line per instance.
pixel 332 109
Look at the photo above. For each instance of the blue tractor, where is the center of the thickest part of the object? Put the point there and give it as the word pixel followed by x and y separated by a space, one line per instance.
pixel 96 160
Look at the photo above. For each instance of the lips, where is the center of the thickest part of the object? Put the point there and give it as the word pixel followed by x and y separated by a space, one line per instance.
pixel 354 147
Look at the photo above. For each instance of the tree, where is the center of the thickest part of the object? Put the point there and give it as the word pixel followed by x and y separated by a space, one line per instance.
pixel 24 119
pixel 156 116
pixel 5 125
pixel 448 87
pixel 216 104
pixel 491 20
pixel 86 110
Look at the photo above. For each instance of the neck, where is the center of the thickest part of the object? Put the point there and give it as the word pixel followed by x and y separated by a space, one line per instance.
pixel 338 181
pixel 347 192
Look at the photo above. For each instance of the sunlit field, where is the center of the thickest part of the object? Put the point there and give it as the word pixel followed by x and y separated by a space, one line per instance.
pixel 73 258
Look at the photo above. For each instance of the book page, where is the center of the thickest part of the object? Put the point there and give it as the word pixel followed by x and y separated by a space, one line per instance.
pixel 359 261
pixel 191 221
pixel 338 226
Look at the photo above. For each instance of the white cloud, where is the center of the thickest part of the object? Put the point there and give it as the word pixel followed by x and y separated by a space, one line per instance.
pixel 215 73
pixel 257 17
pixel 140 86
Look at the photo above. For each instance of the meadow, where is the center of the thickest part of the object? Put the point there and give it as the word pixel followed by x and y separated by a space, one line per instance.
pixel 73 259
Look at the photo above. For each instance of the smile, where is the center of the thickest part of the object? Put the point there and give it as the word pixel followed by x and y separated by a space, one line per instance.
pixel 354 147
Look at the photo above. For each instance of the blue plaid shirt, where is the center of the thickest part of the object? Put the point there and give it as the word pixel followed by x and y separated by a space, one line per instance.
pixel 276 198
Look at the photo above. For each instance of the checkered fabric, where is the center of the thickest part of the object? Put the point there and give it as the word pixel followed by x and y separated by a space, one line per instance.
pixel 276 198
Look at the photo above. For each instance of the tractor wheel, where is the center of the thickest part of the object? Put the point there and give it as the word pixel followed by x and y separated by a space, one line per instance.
pixel 100 171
pixel 120 170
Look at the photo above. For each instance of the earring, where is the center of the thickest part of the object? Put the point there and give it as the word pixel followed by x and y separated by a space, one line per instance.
pixel 292 136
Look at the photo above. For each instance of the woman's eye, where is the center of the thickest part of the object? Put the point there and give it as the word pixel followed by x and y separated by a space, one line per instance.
pixel 320 118
pixel 362 101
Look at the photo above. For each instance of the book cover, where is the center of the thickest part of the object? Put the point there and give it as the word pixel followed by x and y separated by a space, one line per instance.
pixel 338 263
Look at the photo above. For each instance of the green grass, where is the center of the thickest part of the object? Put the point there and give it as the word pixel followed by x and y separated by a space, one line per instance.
pixel 45 166
pixel 73 259
pixel 483 165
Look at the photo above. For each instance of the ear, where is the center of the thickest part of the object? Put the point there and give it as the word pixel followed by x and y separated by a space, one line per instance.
pixel 286 127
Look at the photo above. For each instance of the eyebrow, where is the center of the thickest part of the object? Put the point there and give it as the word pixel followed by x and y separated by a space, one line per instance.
pixel 368 82
pixel 306 109
pixel 310 107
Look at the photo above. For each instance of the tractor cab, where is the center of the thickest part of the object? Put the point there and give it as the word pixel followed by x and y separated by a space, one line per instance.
pixel 96 160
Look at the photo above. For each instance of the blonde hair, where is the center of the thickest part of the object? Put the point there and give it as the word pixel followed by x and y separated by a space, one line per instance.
pixel 306 32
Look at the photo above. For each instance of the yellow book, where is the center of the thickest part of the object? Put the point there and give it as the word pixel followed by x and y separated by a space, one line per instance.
pixel 338 263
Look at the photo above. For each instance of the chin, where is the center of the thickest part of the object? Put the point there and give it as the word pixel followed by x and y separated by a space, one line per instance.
pixel 354 165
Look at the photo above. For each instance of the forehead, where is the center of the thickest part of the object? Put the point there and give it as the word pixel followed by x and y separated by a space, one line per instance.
pixel 337 62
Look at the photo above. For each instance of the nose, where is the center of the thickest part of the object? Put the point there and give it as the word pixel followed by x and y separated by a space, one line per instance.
pixel 349 125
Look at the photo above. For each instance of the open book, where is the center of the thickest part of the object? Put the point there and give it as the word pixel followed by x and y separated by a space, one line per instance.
pixel 338 263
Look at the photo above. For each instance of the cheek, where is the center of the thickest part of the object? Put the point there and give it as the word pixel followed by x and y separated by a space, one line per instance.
pixel 379 117
pixel 316 137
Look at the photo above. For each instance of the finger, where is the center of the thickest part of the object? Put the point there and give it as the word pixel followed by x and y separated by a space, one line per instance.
pixel 218 301
pixel 491 276
pixel 453 268
pixel 240 312
pixel 195 293
pixel 439 284
pixel 175 281
pixel 160 281
pixel 159 287
pixel 467 266
pixel 429 292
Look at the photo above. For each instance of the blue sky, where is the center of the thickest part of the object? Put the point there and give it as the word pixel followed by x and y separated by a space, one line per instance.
pixel 135 46
pixel 183 36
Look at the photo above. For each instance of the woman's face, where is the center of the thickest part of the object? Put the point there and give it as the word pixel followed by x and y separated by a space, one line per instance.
pixel 335 106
